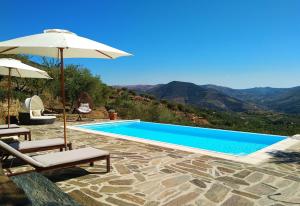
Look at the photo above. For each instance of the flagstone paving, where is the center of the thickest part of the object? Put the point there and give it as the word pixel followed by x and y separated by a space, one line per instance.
pixel 143 174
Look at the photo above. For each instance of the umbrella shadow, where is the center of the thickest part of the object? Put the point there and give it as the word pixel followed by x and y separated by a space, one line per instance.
pixel 281 157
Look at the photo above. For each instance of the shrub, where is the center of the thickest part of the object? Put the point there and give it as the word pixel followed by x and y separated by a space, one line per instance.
pixel 172 106
pixel 163 101
pixel 180 107
pixel 132 92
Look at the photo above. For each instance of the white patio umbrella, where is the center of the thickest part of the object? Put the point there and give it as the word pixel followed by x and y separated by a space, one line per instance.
pixel 60 44
pixel 15 68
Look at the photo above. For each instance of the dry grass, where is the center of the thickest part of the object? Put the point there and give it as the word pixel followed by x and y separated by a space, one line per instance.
pixel 15 107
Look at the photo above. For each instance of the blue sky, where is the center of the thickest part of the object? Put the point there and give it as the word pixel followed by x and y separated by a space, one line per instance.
pixel 233 43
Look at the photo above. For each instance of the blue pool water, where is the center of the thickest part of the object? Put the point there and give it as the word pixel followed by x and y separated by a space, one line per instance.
pixel 230 142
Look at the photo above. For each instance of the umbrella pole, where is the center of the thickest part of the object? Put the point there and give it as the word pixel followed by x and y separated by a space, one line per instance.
pixel 62 84
pixel 8 97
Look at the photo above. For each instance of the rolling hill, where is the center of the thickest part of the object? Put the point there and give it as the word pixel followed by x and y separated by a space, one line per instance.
pixel 286 100
pixel 139 87
pixel 201 97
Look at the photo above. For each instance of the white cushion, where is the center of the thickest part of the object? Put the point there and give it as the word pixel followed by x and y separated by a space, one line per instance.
pixel 13 130
pixel 43 117
pixel 58 158
pixel 8 138
pixel 53 115
pixel 36 113
pixel 4 126
pixel 37 143
pixel 86 105
pixel 84 110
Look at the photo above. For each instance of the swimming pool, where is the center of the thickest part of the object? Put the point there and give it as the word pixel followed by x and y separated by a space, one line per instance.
pixel 216 140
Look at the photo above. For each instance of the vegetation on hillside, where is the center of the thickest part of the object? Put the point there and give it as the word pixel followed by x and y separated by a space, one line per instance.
pixel 261 122
pixel 130 105
pixel 285 100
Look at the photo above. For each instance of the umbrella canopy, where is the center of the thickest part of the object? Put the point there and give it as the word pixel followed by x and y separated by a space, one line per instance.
pixel 16 68
pixel 61 44
pixel 11 67
pixel 47 44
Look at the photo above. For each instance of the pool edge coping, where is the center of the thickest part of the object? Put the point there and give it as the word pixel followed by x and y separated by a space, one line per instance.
pixel 254 158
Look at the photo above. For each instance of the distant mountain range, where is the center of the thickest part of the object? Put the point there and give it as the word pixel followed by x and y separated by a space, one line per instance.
pixel 286 100
pixel 140 87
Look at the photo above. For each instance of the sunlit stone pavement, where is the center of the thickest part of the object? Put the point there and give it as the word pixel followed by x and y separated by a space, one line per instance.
pixel 143 174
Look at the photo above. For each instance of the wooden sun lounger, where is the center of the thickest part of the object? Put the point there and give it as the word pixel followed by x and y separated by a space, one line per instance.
pixel 58 160
pixel 5 126
pixel 40 145
pixel 36 146
pixel 16 131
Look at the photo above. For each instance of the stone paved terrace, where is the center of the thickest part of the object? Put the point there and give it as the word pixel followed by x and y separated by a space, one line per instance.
pixel 148 175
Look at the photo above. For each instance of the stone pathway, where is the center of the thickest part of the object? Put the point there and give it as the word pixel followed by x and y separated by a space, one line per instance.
pixel 149 175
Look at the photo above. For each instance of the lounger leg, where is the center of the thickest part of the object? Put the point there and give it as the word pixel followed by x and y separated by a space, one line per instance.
pixel 91 164
pixel 9 172
pixel 70 146
pixel 25 136
pixel 108 163
pixel 29 136
pixel 61 149
pixel 3 157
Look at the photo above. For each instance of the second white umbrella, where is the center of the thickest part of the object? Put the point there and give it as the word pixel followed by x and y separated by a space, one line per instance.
pixel 15 68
